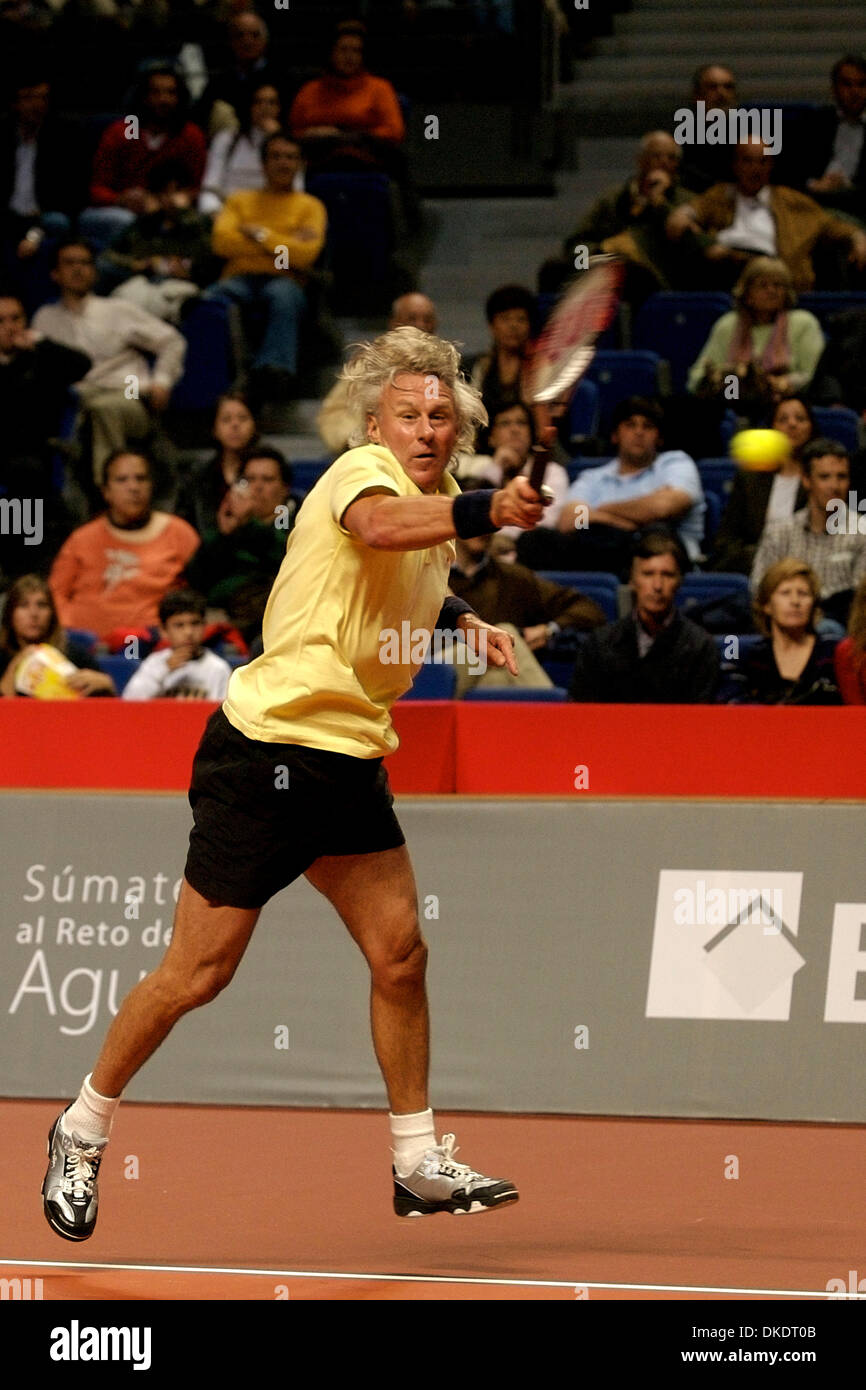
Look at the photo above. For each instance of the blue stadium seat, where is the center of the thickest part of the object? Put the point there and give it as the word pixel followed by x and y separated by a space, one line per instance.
pixel 436 680
pixel 621 374
pixel 728 427
pixel 717 475
pixel 717 601
pixel 712 517
pixel 307 472
pixel 120 668
pixel 583 410
pixel 731 684
pixel 83 637
pixel 601 587
pixel 209 368
pixel 713 585
pixel 825 303
pixel 839 423
pixel 575 579
pixel 523 694
pixel 676 324
pixel 359 230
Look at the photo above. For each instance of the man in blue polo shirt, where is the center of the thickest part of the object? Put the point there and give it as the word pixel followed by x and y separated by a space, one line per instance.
pixel 640 489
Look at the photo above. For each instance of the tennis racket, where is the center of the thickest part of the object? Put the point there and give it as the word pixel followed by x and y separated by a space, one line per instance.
pixel 567 343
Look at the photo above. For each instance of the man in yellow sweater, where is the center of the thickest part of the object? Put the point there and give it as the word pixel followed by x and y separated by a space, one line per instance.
pixel 270 238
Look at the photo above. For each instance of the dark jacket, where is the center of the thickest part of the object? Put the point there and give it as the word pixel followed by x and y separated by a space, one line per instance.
pixel 61 172
pixel 839 377
pixel 680 668
pixel 33 396
pixel 814 150
pixel 817 684
pixel 743 521
pixel 502 593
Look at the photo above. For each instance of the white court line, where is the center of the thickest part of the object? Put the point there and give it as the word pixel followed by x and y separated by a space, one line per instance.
pixel 422 1278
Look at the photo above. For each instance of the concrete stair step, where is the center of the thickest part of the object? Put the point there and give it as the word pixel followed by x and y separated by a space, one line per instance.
pixel 671 66
pixel 699 8
pixel 732 20
pixel 736 45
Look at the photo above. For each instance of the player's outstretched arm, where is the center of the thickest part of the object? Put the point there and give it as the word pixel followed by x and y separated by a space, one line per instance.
pixel 413 523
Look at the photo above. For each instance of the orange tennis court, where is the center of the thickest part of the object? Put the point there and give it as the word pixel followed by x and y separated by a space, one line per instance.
pixel 258 1204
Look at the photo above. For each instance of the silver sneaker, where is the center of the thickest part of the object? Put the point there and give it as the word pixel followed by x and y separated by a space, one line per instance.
pixel 440 1184
pixel 70 1196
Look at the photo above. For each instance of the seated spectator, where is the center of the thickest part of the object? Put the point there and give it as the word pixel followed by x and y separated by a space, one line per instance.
pixel 769 346
pixel 234 161
pixel 510 439
pixel 30 619
pixel 271 239
pixel 757 498
pixel 122 392
pixel 500 374
pixel 704 165
pixel 721 230
pixel 630 221
pixel 237 562
pixel 186 670
pixel 42 184
pixel 655 655
pixel 831 157
pixel 792 665
pixel 335 420
pixel 532 609
pixel 35 377
pixel 839 377
pixel 850 656
pixel 123 162
pixel 113 571
pixel 164 258
pixel 201 493
pixel 820 534
pixel 229 92
pixel 606 506
pixel 348 117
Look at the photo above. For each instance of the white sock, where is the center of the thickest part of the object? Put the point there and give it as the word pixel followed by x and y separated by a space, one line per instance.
pixel 91 1115
pixel 413 1135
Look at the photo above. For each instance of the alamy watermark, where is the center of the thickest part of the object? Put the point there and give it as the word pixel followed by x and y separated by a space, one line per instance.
pixel 411 646
pixel 846 518
pixel 22 516
pixel 717 126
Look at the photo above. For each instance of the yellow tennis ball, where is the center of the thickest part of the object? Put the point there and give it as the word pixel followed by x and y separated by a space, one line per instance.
pixel 760 450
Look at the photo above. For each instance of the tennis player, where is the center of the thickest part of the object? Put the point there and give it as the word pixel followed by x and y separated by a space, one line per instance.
pixel 289 776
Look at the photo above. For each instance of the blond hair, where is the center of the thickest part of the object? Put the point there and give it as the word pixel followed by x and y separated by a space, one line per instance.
pixel 779 574
pixel 410 350
pixel 771 268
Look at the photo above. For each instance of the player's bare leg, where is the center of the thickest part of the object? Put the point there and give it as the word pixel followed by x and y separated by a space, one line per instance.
pixel 376 897
pixel 207 943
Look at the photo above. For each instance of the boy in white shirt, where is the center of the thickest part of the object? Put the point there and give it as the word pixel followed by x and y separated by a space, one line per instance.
pixel 186 670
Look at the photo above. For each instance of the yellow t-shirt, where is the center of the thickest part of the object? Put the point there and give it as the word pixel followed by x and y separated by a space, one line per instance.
pixel 337 607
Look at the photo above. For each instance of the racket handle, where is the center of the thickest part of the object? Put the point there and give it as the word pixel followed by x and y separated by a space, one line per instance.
pixel 540 460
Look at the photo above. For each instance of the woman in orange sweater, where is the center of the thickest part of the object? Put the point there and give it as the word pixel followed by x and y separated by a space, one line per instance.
pixel 348 102
pixel 350 122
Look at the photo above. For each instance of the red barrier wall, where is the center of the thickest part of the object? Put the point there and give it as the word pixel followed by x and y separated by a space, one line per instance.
pixel 624 750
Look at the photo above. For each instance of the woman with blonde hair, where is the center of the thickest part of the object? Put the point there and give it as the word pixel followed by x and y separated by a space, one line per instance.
pixel 30 620
pixel 792 665
pixel 771 347
pixel 851 652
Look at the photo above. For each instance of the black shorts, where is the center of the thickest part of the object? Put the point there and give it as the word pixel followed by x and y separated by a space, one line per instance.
pixel 264 812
